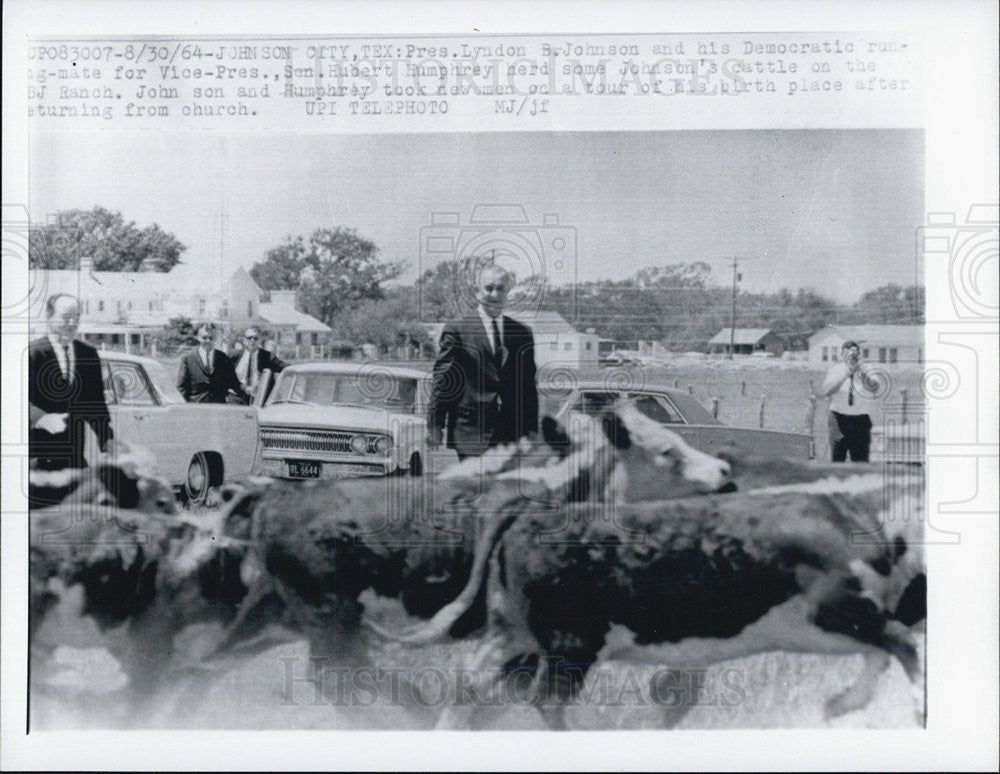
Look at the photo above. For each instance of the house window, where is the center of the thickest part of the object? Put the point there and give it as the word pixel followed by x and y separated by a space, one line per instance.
pixel 881 354
pixel 920 356
pixel 224 310
pixel 249 308
pixel 130 306
pixel 315 339
pixel 298 338
pixel 150 306
pixel 554 346
pixel 118 305
pixel 100 306
pixel 864 353
pixel 86 307
pixel 589 346
pixel 568 346
pixel 201 306
pixel 893 354
pixel 823 354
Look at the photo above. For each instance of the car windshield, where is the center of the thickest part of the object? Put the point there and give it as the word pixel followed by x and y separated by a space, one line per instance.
pixel 374 389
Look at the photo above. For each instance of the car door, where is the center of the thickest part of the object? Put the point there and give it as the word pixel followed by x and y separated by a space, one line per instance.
pixel 138 419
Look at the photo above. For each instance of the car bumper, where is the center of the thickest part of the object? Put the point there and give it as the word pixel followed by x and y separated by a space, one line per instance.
pixel 279 468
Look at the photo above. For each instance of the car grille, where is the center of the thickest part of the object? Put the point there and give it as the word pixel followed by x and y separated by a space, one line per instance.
pixel 306 440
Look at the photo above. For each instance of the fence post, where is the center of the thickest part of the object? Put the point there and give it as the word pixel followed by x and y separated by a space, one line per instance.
pixel 677 383
pixel 760 419
pixel 811 418
pixel 743 388
pixel 905 394
pixel 690 390
pixel 715 408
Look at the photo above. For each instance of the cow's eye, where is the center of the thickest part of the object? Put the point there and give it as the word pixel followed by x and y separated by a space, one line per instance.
pixel 669 456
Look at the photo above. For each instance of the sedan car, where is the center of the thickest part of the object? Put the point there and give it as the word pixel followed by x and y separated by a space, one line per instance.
pixel 195 445
pixel 681 412
pixel 335 420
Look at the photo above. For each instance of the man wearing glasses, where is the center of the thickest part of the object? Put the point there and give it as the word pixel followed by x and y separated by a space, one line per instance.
pixel 251 362
pixel 206 373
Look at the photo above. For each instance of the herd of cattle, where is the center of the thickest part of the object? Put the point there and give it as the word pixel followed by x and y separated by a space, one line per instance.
pixel 537 550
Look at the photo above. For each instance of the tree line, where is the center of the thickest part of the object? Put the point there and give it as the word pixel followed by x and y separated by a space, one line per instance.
pixel 341 278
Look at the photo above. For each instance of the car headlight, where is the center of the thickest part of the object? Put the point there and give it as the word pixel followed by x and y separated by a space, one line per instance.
pixel 383 445
pixel 359 444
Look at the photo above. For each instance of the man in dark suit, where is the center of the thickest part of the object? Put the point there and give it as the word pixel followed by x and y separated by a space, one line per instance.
pixel 65 391
pixel 206 373
pixel 484 392
pixel 250 362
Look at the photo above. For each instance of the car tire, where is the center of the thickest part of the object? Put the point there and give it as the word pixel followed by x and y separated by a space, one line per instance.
pixel 416 465
pixel 197 480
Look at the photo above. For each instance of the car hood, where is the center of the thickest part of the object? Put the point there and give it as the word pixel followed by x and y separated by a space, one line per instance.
pixel 334 417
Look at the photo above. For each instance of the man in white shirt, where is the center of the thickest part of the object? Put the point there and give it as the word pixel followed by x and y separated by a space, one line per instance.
pixel 252 361
pixel 484 391
pixel 851 394
pixel 206 374
pixel 65 391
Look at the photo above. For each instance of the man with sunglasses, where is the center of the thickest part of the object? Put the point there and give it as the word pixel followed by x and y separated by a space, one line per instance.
pixel 251 362
pixel 206 373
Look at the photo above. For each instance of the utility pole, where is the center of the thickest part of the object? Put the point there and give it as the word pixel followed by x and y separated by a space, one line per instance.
pixel 732 315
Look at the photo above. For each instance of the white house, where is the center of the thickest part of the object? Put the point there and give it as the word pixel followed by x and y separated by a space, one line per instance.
pixel 125 308
pixel 746 341
pixel 879 343
pixel 294 330
pixel 558 342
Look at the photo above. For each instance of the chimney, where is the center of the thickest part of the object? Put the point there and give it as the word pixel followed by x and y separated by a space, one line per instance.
pixel 283 299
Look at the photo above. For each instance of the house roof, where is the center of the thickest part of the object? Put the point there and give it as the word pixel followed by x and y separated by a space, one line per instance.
pixel 907 335
pixel 282 315
pixel 741 336
pixel 546 322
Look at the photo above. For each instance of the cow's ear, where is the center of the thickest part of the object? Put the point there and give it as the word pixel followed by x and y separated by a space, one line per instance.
pixel 615 431
pixel 120 484
pixel 554 434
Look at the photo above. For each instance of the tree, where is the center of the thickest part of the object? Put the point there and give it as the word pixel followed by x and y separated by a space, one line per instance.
pixel 889 304
pixel 104 237
pixel 179 332
pixel 388 321
pixel 334 271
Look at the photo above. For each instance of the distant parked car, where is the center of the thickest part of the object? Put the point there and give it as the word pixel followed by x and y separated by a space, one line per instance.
pixel 195 445
pixel 331 420
pixel 681 412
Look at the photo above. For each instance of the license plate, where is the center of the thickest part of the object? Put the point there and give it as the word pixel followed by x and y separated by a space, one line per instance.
pixel 303 469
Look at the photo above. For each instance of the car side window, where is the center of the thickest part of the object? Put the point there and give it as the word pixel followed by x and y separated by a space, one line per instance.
pixel 109 390
pixel 130 386
pixel 594 402
pixel 656 408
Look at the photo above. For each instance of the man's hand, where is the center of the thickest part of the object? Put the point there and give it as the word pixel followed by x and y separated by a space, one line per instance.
pixel 52 423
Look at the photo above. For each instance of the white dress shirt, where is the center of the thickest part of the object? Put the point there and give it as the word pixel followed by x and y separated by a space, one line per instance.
pixel 246 370
pixel 61 355
pixel 488 325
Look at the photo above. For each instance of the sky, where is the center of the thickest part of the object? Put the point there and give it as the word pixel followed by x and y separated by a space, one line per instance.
pixel 831 210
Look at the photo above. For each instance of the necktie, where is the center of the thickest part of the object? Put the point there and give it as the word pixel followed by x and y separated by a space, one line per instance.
pixel 850 392
pixel 207 360
pixel 496 339
pixel 68 373
pixel 252 370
